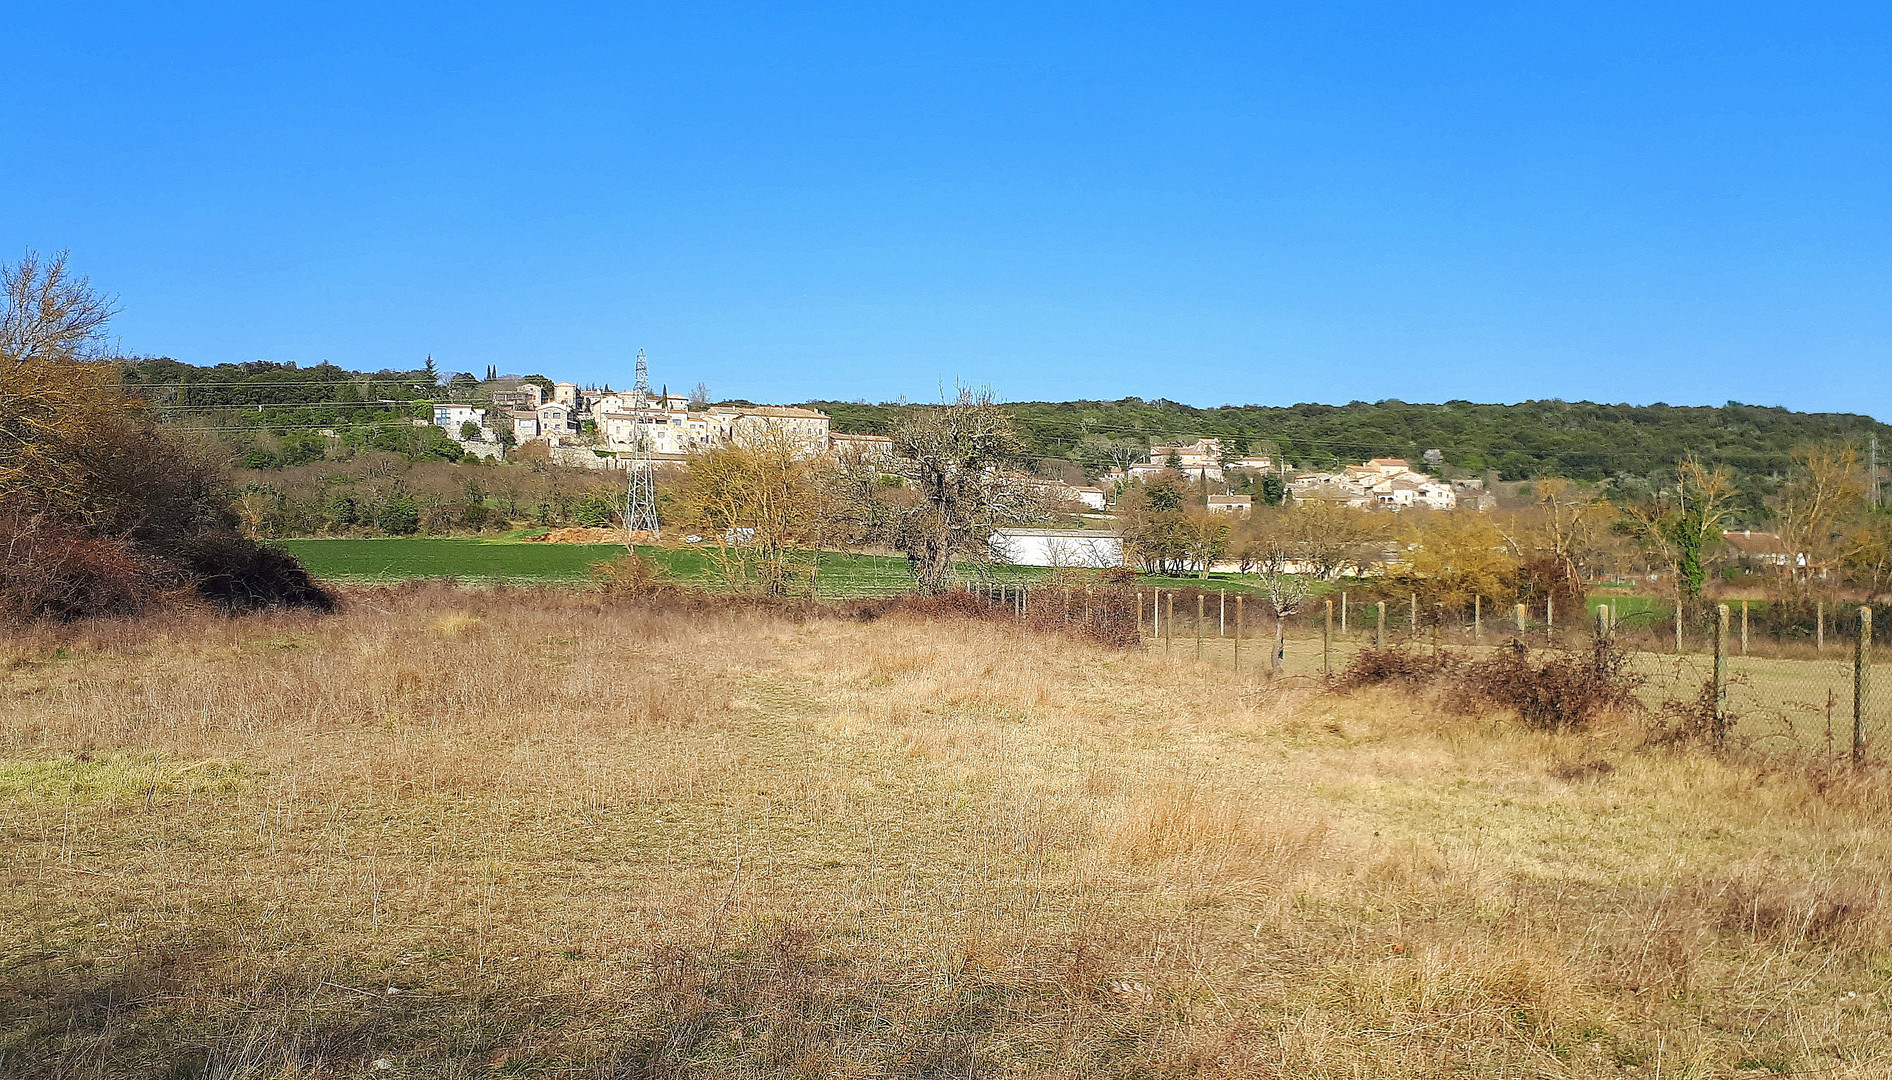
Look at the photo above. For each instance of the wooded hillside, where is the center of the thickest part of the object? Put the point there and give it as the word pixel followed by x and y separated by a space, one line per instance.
pixel 1580 439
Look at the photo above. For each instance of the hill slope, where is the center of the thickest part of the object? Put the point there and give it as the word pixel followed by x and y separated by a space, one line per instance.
pixel 1534 438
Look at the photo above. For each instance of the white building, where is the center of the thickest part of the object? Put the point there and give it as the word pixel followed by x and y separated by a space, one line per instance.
pixel 866 449
pixel 1385 483
pixel 555 420
pixel 448 418
pixel 1230 504
pixel 1058 547
pixel 670 426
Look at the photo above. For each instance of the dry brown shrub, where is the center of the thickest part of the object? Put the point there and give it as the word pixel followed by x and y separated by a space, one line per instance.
pixel 1556 693
pixel 1377 666
pixel 1560 693
pixel 105 513
pixel 49 570
pixel 629 576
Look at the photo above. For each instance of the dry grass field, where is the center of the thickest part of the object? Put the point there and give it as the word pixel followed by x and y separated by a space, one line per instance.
pixel 481 833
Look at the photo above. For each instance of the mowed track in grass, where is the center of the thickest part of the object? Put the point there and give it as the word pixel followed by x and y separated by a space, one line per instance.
pixel 471 559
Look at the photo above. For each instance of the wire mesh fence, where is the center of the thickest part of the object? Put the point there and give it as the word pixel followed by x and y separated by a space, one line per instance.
pixel 1816 694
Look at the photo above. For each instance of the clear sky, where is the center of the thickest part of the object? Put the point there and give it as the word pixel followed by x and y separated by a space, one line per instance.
pixel 1211 203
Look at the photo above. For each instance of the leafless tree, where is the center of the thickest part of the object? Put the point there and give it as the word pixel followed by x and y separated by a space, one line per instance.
pixel 1276 551
pixel 49 313
pixel 954 486
pixel 50 400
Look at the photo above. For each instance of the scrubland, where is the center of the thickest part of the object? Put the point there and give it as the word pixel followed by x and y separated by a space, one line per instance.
pixel 496 832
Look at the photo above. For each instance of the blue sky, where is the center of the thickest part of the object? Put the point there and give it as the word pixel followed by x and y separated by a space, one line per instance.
pixel 1211 203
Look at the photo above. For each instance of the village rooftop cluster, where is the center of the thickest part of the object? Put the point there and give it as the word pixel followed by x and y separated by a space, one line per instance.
pixel 600 428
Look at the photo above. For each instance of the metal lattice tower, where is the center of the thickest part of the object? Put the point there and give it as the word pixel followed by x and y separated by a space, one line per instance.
pixel 640 494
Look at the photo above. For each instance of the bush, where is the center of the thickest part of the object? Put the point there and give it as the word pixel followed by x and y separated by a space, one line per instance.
pixel 1563 693
pixel 235 575
pixel 1405 667
pixel 597 509
pixel 52 570
pixel 399 516
pixel 103 512
pixel 629 575
pixel 1559 693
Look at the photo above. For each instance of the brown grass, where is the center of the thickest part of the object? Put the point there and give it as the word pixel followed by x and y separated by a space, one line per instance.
pixel 500 832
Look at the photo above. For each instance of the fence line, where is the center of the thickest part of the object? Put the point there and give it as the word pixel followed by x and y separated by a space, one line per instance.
pixel 1809 697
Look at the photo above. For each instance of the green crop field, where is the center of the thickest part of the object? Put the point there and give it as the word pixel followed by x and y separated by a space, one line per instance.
pixel 474 559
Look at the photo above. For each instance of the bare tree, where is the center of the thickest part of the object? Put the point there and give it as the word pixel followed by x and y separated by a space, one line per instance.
pixel 952 463
pixel 1683 526
pixel 1816 507
pixel 49 313
pixel 51 399
pixel 1284 581
pixel 1324 539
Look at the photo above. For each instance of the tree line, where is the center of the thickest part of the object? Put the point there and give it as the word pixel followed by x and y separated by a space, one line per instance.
pixel 1635 447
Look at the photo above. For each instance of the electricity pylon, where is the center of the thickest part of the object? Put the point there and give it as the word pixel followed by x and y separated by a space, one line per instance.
pixel 640 495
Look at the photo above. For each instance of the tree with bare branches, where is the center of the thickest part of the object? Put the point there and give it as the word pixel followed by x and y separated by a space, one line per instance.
pixel 1276 546
pixel 757 502
pixel 1816 509
pixel 1683 526
pixel 101 512
pixel 53 394
pixel 953 480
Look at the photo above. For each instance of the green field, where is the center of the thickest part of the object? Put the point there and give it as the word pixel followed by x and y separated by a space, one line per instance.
pixel 477 560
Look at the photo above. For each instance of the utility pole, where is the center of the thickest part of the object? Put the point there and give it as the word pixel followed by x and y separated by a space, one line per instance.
pixel 640 493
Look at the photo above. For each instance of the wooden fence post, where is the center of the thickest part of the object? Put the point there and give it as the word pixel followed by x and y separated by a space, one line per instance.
pixel 1413 626
pixel 1862 670
pixel 1343 612
pixel 1678 625
pixel 1744 628
pixel 1379 631
pixel 1139 614
pixel 1238 631
pixel 1221 617
pixel 1198 628
pixel 1169 620
pixel 1478 620
pixel 1550 620
pixel 1819 626
pixel 1327 641
pixel 1721 674
pixel 1520 619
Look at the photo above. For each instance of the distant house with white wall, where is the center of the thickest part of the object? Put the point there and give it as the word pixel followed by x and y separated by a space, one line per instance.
pixel 555 420
pixel 1230 504
pixel 670 426
pixel 1058 491
pixel 1382 483
pixel 1079 548
pixel 516 393
pixel 860 448
pixel 1197 461
pixel 448 418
